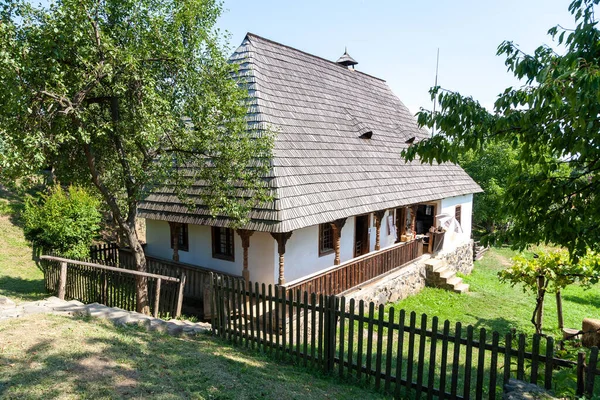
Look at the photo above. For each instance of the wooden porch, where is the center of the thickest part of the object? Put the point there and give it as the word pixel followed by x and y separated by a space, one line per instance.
pixel 339 278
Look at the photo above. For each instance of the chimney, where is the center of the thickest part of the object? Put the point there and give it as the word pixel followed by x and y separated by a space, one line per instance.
pixel 346 60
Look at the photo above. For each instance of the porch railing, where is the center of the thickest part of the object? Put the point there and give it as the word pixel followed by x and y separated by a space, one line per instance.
pixel 345 276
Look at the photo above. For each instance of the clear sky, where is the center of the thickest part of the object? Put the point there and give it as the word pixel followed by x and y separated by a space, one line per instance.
pixel 397 40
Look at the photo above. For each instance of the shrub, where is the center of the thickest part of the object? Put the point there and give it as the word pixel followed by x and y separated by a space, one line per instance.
pixel 65 222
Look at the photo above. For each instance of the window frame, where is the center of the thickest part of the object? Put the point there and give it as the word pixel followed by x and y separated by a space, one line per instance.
pixel 325 251
pixel 184 238
pixel 458 213
pixel 216 243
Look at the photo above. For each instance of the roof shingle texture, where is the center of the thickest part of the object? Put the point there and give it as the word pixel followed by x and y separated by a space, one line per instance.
pixel 322 169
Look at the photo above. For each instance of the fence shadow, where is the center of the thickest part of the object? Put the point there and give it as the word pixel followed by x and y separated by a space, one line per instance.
pixel 26 289
pixel 589 298
pixel 500 325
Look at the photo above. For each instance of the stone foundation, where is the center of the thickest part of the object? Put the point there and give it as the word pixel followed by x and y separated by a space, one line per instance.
pixel 459 259
pixel 393 287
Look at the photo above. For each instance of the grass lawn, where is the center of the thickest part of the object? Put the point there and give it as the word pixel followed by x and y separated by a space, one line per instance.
pixel 20 278
pixel 61 357
pixel 497 306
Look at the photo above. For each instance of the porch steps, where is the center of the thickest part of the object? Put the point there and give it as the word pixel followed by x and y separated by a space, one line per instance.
pixel 440 276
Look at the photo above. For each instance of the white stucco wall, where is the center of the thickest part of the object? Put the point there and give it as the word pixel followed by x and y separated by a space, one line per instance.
pixel 262 246
pixel 448 206
pixel 302 252
pixel 385 239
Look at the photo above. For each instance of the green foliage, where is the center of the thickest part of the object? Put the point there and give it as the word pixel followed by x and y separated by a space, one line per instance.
pixel 557 269
pixel 64 222
pixel 491 168
pixel 552 124
pixel 131 96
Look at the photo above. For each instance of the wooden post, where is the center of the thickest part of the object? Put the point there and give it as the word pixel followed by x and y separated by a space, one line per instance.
pixel 175 229
pixel 413 220
pixel 378 217
pixel 281 239
pixel 62 283
pixel 245 236
pixel 180 296
pixel 336 227
pixel 540 311
pixel 157 298
pixel 580 373
pixel 559 310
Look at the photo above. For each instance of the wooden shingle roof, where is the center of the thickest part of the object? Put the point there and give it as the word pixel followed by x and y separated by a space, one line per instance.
pixel 322 168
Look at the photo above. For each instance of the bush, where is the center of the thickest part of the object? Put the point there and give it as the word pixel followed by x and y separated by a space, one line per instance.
pixel 63 222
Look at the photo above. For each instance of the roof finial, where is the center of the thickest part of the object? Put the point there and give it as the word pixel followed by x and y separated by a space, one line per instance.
pixel 346 60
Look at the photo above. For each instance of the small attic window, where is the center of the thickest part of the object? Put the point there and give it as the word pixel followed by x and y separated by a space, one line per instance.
pixel 366 135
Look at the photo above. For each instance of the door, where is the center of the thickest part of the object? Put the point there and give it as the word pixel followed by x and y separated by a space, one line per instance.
pixel 361 235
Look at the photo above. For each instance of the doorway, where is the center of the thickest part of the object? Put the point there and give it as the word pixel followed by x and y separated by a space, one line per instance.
pixel 361 235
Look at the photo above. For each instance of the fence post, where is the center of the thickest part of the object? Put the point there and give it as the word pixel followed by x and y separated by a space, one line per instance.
pixel 580 373
pixel 329 334
pixel 180 296
pixel 62 283
pixel 157 298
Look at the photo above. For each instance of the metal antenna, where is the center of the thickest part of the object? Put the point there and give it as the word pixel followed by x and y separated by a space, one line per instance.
pixel 437 64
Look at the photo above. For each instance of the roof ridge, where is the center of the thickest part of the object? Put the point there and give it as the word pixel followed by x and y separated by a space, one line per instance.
pixel 250 35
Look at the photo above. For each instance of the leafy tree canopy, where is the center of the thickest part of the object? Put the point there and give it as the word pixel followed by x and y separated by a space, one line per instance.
pixel 64 222
pixel 551 122
pixel 129 95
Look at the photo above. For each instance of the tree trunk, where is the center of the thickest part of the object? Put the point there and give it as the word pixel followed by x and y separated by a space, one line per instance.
pixel 141 283
pixel 559 310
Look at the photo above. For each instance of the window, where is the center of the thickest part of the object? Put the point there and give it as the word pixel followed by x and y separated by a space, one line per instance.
pixel 222 243
pixel 457 212
pixel 325 239
pixel 182 238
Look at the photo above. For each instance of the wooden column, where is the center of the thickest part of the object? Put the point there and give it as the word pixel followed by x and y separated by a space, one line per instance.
pixel 378 215
pixel 413 220
pixel 336 227
pixel 62 282
pixel 175 227
pixel 245 235
pixel 281 239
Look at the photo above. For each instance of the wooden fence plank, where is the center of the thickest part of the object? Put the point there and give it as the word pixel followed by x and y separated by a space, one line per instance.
pixel 494 366
pixel 389 350
pixel 351 335
pixel 432 358
pixel 535 355
pixel 361 327
pixel 507 357
pixel 371 320
pixel 421 357
pixel 399 351
pixel 342 336
pixel 411 350
pixel 521 358
pixel 591 372
pixel 480 364
pixel 468 363
pixel 379 351
pixel 549 365
pixel 455 361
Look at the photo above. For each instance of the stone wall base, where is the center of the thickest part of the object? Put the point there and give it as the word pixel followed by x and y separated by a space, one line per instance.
pixel 398 285
pixel 459 259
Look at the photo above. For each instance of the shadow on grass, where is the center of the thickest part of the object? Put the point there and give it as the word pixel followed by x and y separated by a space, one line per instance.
pixel 113 362
pixel 588 299
pixel 25 289
pixel 13 207
pixel 499 324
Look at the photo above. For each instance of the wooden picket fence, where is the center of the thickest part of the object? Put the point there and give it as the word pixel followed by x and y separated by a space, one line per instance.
pixel 112 286
pixel 400 354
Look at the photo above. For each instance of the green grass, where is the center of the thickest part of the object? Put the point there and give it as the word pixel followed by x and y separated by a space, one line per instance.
pixel 20 278
pixel 497 306
pixel 61 357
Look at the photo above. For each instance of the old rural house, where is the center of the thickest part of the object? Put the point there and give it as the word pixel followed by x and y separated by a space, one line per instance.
pixel 341 188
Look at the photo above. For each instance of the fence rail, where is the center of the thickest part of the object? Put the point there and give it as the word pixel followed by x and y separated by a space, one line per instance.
pixel 115 287
pixel 401 353
pixel 197 288
pixel 352 273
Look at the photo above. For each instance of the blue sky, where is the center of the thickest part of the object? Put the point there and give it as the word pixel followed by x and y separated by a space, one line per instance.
pixel 397 40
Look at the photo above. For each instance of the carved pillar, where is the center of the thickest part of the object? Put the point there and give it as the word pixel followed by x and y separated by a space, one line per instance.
pixel 378 217
pixel 175 228
pixel 245 236
pixel 281 239
pixel 413 220
pixel 336 228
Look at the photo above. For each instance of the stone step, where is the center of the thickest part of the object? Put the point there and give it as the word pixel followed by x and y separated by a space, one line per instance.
pixel 461 288
pixel 434 264
pixel 444 274
pixel 452 282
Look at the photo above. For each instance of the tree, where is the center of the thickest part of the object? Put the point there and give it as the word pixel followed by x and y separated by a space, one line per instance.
pixel 130 96
pixel 64 222
pixel 551 122
pixel 550 272
pixel 491 168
